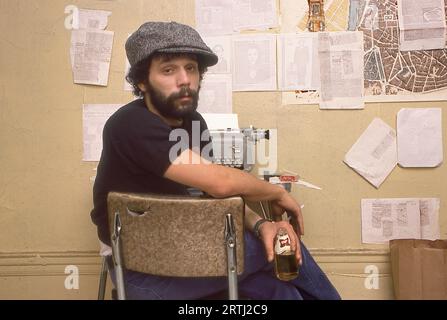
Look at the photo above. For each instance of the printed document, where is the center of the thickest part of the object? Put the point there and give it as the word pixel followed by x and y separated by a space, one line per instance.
pixel 298 61
pixel 214 17
pixel 422 24
pixel 221 46
pixel 91 52
pixel 341 70
pixel 374 155
pixel 254 15
pixel 254 60
pixel 406 218
pixel 216 94
pixel 429 208
pixel 91 19
pixel 94 117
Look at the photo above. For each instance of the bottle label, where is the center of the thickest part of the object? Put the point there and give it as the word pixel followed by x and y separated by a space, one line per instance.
pixel 282 244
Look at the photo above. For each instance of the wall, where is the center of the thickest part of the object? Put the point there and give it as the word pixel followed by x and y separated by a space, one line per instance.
pixel 45 190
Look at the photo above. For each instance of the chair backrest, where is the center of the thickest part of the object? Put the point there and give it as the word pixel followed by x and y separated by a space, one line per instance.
pixel 176 235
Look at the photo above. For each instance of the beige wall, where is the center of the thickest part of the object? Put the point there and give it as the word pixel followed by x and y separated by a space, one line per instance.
pixel 45 190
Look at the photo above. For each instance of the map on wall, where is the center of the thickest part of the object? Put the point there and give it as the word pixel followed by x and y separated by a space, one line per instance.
pixel 389 74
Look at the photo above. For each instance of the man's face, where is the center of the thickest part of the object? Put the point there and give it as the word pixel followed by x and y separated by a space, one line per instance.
pixel 173 85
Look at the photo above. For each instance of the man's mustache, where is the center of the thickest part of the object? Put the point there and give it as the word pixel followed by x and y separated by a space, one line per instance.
pixel 184 92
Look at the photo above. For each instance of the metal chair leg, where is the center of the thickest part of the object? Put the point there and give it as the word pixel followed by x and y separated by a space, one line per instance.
pixel 116 247
pixel 102 279
pixel 230 243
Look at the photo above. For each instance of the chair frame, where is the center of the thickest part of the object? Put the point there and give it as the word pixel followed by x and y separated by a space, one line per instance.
pixel 102 279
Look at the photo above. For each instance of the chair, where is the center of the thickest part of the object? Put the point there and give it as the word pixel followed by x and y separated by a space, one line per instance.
pixel 177 236
pixel 105 252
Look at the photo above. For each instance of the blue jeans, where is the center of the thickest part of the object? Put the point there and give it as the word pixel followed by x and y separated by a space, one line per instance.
pixel 257 282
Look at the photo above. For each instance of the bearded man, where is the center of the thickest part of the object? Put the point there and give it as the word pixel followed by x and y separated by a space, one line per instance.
pixel 168 61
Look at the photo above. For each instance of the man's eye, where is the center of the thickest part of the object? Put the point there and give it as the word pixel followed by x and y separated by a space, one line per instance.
pixel 168 70
pixel 191 68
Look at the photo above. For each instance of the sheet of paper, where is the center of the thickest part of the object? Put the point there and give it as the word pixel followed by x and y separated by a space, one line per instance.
pixel 300 182
pixel 419 137
pixel 94 117
pixel 91 52
pixel 429 208
pixel 216 94
pixel 254 15
pixel 298 61
pixel 217 121
pixel 307 184
pixel 127 86
pixel 221 46
pixel 374 154
pixel 422 24
pixel 387 219
pixel 91 19
pixel 341 70
pixel 254 60
pixel 214 17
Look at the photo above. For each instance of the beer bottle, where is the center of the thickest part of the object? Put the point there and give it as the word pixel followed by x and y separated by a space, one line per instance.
pixel 286 267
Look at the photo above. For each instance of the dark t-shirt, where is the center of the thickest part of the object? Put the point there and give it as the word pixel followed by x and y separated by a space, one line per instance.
pixel 135 156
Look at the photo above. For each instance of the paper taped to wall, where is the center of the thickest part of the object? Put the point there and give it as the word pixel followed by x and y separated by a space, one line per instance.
pixel 419 137
pixel 91 19
pixel 341 70
pixel 374 155
pixel 91 52
pixel 216 121
pixel 421 24
pixel 403 218
pixel 216 95
pixel 94 117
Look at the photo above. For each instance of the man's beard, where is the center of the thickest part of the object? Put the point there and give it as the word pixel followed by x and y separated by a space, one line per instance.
pixel 167 105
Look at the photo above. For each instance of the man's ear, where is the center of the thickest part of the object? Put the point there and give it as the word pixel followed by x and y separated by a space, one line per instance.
pixel 142 87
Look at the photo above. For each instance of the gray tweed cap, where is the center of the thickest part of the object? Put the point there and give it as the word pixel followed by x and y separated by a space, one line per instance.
pixel 168 37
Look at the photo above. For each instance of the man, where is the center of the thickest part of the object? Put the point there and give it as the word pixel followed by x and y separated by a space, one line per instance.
pixel 168 61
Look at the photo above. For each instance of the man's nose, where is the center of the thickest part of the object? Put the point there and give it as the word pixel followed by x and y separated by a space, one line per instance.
pixel 183 78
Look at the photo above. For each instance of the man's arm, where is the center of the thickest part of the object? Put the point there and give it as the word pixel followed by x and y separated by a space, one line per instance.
pixel 220 182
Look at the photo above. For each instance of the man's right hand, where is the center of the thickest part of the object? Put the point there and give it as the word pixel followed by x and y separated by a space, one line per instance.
pixel 268 233
pixel 286 203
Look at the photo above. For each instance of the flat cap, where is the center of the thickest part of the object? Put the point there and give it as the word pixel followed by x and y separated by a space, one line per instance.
pixel 167 37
